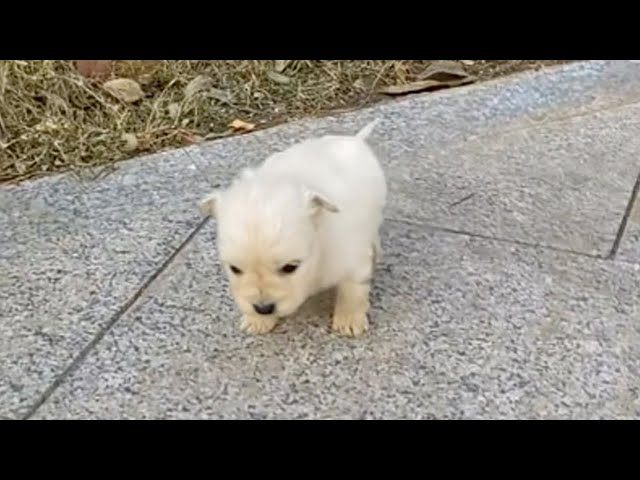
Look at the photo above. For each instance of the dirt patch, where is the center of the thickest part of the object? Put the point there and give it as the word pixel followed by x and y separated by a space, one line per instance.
pixel 54 118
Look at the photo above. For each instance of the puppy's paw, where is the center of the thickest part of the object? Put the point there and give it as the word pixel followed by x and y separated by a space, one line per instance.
pixel 350 324
pixel 258 325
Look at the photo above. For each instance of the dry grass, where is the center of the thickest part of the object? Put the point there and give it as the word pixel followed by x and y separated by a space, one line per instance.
pixel 52 119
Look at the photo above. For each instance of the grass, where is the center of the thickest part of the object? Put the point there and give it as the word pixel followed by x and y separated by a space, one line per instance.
pixel 52 119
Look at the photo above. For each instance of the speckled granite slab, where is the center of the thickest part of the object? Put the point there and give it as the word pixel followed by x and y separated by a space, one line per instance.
pixel 460 328
pixel 471 319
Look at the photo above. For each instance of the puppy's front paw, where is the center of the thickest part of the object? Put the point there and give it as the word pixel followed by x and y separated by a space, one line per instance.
pixel 258 325
pixel 350 324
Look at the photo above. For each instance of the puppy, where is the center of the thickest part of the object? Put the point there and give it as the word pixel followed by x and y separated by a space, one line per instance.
pixel 305 221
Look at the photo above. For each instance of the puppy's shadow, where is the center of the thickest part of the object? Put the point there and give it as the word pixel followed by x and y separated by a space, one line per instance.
pixel 316 313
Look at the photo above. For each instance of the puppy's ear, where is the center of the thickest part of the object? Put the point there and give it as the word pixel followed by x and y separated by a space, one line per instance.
pixel 318 202
pixel 208 205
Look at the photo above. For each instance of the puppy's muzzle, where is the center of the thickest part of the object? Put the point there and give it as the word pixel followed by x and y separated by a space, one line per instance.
pixel 264 308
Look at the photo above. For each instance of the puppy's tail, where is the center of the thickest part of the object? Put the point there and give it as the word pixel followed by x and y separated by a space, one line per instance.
pixel 366 131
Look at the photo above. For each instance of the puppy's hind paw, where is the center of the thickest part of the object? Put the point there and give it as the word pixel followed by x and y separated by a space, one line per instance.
pixel 258 325
pixel 351 325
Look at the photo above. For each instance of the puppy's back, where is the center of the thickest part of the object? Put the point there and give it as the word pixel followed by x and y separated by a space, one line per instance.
pixel 344 168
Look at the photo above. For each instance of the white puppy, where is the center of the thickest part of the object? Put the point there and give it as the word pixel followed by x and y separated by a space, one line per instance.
pixel 305 221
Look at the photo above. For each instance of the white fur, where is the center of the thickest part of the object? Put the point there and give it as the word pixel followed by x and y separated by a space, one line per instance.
pixel 319 203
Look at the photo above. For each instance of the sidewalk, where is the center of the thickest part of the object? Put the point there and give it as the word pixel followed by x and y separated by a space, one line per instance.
pixel 510 286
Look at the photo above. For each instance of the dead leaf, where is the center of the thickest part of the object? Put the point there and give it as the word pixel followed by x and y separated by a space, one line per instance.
pixel 214 135
pixel 422 85
pixel 468 62
pixel 241 125
pixel 191 138
pixel 440 74
pixel 98 69
pixel 174 110
pixel 124 89
pixel 205 84
pixel 199 84
pixel 443 70
pixel 220 95
pixel 278 77
pixel 281 65
pixel 130 142
pixel 145 79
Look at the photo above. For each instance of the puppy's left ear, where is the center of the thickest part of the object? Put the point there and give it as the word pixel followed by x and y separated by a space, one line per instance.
pixel 208 205
pixel 318 202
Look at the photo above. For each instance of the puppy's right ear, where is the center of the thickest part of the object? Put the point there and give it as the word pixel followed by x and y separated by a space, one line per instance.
pixel 208 205
pixel 318 203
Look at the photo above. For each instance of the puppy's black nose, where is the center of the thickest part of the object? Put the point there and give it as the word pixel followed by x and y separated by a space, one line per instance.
pixel 264 308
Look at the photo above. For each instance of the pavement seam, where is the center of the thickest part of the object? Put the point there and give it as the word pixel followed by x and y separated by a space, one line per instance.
pixel 625 219
pixel 521 243
pixel 529 123
pixel 78 360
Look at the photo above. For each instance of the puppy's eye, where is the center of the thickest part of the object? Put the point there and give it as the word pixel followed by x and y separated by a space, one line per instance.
pixel 235 269
pixel 289 268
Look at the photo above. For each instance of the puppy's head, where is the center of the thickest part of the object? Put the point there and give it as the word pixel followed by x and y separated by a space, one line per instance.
pixel 268 242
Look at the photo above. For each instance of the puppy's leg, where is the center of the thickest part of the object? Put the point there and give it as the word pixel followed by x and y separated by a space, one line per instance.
pixel 352 304
pixel 258 324
pixel 352 301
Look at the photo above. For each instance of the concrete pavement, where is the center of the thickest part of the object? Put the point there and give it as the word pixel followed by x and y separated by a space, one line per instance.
pixel 510 286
